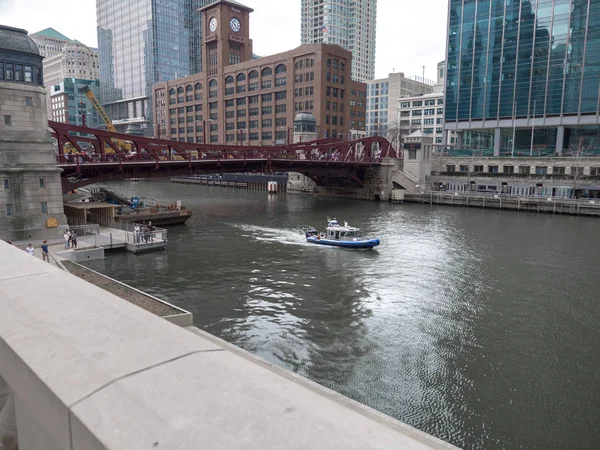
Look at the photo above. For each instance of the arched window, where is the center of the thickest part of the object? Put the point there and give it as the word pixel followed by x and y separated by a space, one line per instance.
pixel 280 68
pixel 172 91
pixel 198 86
pixel 266 72
pixel 180 90
pixel 241 77
pixel 253 74
pixel 212 83
pixel 228 79
pixel 189 88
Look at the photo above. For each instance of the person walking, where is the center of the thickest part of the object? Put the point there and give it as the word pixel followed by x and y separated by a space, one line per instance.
pixel 45 252
pixel 74 240
pixel 66 238
pixel 136 234
pixel 29 249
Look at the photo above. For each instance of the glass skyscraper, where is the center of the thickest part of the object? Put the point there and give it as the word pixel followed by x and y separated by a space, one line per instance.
pixel 523 72
pixel 141 42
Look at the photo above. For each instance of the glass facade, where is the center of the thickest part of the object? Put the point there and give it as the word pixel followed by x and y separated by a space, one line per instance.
pixel 522 58
pixel 142 42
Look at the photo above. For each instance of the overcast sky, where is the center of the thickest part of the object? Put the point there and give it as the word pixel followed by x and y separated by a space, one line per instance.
pixel 410 33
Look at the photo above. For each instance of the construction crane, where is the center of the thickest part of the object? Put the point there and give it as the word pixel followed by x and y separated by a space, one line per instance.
pixel 109 125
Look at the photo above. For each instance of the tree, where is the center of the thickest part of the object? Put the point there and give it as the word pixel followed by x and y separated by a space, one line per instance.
pixel 577 153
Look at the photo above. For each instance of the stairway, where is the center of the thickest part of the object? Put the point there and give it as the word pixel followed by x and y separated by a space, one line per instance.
pixel 406 180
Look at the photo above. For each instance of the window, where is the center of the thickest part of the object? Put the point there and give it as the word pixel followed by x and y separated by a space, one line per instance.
pixel 28 74
pixel 241 101
pixel 493 169
pixel 417 103
pixel 267 97
pixel 9 210
pixel 267 136
pixel 281 122
pixel 524 169
pixel 228 79
pixel 19 72
pixel 267 123
pixel 42 183
pixel 6 183
pixel 280 109
pixel 280 68
pixel 44 208
pixel 240 77
pixel 253 74
pixel 253 124
pixel 280 95
pixel 266 72
pixel 464 168
pixel 508 169
pixel 541 170
pixel 280 81
pixel 266 84
pixel 267 110
pixel 450 168
pixel 559 170
pixel 7 120
pixel 478 168
pixel 1 71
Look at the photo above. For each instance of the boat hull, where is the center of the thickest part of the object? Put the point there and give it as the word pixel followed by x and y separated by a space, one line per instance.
pixel 370 243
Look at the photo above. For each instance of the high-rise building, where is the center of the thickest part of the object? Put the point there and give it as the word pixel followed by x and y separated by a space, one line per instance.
pixel 523 76
pixel 139 44
pixel 382 100
pixel 349 24
pixel 240 100
pixel 50 42
pixel 64 59
pixel 69 104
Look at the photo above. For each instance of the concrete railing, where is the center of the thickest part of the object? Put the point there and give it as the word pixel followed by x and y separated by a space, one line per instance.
pixel 88 370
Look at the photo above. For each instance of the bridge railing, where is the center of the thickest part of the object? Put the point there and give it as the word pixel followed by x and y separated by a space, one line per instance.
pixel 91 146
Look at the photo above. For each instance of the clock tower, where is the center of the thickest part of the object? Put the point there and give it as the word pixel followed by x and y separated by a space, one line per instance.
pixel 226 36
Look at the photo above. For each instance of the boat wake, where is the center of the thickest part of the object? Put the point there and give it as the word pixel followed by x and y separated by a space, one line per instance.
pixel 287 236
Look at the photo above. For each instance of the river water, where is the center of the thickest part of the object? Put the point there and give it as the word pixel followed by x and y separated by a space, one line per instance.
pixel 480 327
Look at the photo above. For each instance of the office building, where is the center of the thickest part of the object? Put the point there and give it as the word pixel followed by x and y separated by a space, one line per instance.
pixel 425 112
pixel 382 100
pixel 245 101
pixel 523 76
pixel 69 104
pixel 349 24
pixel 50 42
pixel 64 59
pixel 139 44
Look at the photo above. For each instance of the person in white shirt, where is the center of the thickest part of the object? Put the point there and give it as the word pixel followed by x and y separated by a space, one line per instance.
pixel 66 238
pixel 29 249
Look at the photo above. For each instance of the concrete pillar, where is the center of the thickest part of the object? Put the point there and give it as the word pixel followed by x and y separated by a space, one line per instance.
pixel 497 141
pixel 560 139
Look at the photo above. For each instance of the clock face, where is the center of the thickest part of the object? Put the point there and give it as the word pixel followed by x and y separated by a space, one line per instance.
pixel 212 25
pixel 235 24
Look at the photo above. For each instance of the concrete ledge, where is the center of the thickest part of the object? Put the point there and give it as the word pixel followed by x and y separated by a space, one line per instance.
pixel 90 371
pixel 84 254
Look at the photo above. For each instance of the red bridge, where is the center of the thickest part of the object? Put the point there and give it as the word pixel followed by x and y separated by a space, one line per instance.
pixel 97 155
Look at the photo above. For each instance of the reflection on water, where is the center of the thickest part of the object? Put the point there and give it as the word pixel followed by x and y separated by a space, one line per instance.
pixel 477 326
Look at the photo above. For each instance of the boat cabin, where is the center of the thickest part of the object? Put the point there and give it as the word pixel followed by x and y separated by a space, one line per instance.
pixel 338 232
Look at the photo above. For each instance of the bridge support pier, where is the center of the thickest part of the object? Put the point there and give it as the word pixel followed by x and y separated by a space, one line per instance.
pixel 377 185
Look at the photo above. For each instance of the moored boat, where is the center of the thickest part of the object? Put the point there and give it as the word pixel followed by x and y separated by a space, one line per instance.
pixel 339 236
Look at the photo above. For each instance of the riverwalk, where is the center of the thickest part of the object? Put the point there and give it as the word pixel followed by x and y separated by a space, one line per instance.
pixel 105 374
pixel 550 205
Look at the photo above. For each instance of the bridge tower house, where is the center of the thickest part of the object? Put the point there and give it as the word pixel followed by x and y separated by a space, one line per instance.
pixel 31 204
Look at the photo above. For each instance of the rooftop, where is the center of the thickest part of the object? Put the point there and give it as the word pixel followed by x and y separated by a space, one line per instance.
pixel 17 40
pixel 52 34
pixel 227 2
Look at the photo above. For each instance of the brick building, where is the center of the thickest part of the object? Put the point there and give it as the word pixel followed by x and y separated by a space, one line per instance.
pixel 245 101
